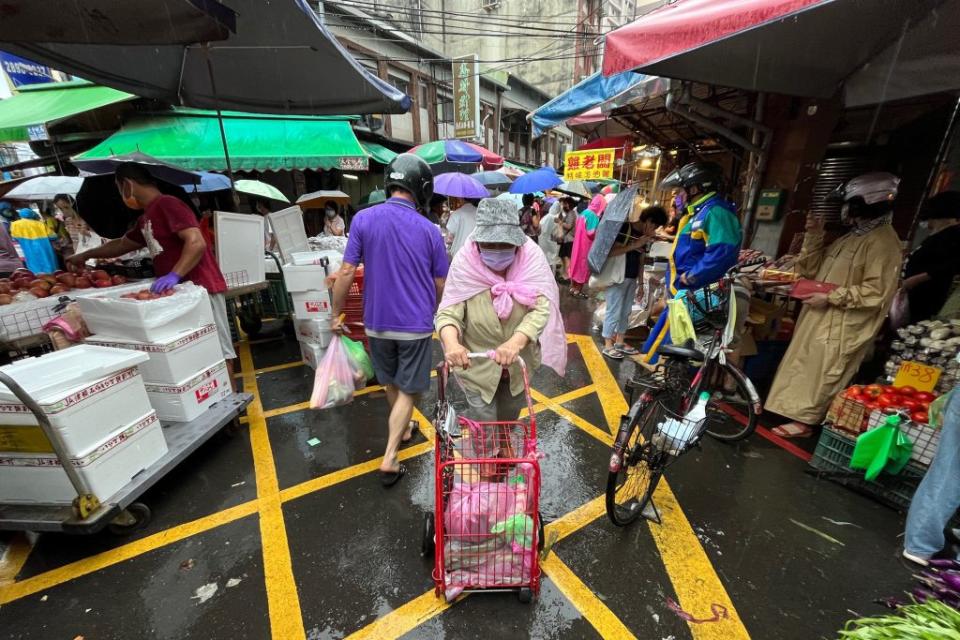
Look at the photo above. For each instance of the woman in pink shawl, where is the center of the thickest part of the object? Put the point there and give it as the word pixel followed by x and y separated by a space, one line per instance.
pixel 500 296
pixel 584 232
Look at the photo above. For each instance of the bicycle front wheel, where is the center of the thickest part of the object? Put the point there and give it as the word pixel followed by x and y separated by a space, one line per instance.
pixel 732 416
pixel 630 487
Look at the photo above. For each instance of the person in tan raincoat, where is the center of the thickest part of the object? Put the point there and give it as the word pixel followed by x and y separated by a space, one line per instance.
pixel 835 329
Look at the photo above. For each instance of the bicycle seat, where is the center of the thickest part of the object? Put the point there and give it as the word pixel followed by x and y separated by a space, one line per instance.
pixel 686 351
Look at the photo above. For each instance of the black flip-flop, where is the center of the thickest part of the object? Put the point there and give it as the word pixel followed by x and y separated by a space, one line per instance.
pixel 390 478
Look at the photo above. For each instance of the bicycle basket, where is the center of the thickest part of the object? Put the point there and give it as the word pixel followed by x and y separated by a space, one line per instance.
pixel 672 434
pixel 708 307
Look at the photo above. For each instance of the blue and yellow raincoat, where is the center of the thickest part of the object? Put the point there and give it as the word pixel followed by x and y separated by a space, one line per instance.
pixel 706 246
pixel 34 238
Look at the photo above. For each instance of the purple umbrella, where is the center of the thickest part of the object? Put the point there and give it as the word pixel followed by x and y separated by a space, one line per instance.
pixel 459 185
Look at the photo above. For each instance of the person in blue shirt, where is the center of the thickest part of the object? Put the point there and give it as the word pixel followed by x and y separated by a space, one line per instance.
pixel 707 244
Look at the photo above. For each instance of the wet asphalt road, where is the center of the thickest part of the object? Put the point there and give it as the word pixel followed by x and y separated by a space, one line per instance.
pixel 336 553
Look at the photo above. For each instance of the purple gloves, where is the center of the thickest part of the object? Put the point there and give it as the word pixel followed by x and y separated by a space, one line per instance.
pixel 163 283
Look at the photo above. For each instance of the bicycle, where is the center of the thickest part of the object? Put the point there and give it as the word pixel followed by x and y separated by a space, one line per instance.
pixel 655 432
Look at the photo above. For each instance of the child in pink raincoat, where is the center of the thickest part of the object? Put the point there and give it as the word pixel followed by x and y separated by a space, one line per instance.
pixel 584 233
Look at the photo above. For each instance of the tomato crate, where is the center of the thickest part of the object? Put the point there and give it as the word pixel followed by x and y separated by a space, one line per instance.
pixel 925 438
pixel 831 459
pixel 848 415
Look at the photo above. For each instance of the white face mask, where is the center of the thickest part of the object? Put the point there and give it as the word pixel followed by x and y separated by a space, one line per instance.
pixel 924 224
pixel 331 213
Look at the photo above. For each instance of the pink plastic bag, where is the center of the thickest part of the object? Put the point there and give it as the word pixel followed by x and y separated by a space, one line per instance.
pixel 335 380
pixel 473 508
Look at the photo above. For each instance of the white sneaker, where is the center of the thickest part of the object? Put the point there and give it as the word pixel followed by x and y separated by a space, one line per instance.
pixel 923 562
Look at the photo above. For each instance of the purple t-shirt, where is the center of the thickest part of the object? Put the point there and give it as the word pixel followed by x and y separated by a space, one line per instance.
pixel 401 252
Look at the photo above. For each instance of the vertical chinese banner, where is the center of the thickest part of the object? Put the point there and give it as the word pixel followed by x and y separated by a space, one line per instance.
pixel 466 97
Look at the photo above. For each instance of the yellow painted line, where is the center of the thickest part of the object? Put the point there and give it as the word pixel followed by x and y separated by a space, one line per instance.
pixel 283 602
pixel 607 624
pixel 300 406
pixel 694 579
pixel 279 367
pixel 541 400
pixel 611 398
pixel 577 421
pixel 577 519
pixel 88 565
pixel 18 550
pixel 404 619
pixel 342 475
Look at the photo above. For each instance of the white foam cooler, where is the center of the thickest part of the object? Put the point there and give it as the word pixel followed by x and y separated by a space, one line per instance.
pixel 312 353
pixel 107 466
pixel 147 320
pixel 187 399
pixel 311 305
pixel 87 392
pixel 315 331
pixel 174 358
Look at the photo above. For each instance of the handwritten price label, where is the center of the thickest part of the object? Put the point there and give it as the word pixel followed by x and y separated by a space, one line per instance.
pixel 917 375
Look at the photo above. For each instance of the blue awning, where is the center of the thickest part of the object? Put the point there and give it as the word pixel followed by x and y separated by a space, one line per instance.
pixel 583 96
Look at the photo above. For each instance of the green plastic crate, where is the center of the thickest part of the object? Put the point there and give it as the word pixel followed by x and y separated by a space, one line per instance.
pixel 832 456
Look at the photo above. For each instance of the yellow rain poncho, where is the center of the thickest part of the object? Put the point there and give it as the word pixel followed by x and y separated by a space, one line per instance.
pixel 829 343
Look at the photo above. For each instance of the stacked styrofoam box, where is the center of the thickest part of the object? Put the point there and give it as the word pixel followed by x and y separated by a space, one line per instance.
pixel 186 373
pixel 314 337
pixel 95 398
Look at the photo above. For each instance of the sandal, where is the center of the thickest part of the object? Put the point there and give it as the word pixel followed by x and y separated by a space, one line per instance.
pixel 613 353
pixel 390 478
pixel 793 430
pixel 627 350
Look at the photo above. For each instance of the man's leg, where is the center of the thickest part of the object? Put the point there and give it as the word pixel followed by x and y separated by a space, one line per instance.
pixel 400 414
pixel 938 495
pixel 392 392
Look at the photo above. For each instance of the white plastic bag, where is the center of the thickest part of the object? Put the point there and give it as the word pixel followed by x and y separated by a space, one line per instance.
pixel 611 274
pixel 335 381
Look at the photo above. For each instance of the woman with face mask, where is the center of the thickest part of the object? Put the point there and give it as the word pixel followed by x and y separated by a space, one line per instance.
pixel 332 220
pixel 500 296
pixel 929 272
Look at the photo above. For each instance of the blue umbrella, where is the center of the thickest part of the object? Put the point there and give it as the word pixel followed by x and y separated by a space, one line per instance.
pixel 458 185
pixel 209 181
pixel 538 180
pixel 494 179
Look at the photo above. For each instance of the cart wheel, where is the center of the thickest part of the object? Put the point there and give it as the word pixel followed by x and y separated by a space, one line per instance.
pixel 525 595
pixel 429 542
pixel 133 518
pixel 250 324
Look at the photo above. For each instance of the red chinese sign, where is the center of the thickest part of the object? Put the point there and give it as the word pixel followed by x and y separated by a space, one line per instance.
pixel 593 164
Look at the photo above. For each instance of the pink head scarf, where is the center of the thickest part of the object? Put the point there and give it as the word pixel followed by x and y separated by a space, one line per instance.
pixel 598 205
pixel 528 277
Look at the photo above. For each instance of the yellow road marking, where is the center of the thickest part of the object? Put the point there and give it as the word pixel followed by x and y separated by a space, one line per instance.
pixel 403 619
pixel 541 400
pixel 286 621
pixel 18 550
pixel 576 420
pixel 694 579
pixel 606 623
pixel 88 565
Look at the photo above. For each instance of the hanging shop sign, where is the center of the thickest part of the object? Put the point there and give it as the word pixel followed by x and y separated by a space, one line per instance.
pixel 594 164
pixel 466 97
pixel 24 72
pixel 917 375
pixel 353 164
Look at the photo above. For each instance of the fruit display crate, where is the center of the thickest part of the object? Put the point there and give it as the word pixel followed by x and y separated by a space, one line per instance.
pixel 831 460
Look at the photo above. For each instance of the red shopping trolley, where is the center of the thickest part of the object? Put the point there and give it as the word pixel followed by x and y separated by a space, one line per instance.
pixel 486 532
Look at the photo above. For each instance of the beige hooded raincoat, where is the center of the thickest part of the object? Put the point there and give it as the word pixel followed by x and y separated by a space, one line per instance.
pixel 830 343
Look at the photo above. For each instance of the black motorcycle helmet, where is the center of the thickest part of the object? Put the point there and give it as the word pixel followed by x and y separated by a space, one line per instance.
pixel 410 173
pixel 706 175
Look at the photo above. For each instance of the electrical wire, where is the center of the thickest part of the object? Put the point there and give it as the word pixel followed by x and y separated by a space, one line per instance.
pixel 428 26
pixel 482 17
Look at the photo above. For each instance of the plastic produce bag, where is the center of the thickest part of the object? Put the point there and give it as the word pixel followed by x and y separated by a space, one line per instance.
pixel 358 358
pixel 335 380
pixel 681 326
pixel 885 448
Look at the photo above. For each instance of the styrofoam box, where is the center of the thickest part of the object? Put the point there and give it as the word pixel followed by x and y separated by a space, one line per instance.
pixel 334 258
pixel 311 305
pixel 148 320
pixel 315 331
pixel 107 466
pixel 312 353
pixel 308 277
pixel 187 399
pixel 240 267
pixel 178 357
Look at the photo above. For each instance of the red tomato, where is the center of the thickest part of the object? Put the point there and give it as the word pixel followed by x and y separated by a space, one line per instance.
pixel 911 404
pixel 873 390
pixel 887 400
pixel 907 391
pixel 920 417
pixel 854 393
pixel 871 405
pixel 925 396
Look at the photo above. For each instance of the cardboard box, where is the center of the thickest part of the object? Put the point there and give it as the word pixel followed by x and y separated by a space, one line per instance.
pixel 107 466
pixel 147 320
pixel 189 398
pixel 312 354
pixel 311 305
pixel 315 331
pixel 175 358
pixel 847 415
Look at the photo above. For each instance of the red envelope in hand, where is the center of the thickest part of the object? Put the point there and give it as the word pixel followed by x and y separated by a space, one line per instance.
pixel 803 288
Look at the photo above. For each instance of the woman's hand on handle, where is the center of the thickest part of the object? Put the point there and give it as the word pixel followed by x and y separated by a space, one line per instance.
pixel 507 353
pixel 456 356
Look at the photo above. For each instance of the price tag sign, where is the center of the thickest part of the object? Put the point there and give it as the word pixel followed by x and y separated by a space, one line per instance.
pixel 917 375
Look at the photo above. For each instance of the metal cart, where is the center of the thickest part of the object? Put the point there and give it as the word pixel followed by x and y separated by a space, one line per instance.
pixel 251 303
pixel 121 512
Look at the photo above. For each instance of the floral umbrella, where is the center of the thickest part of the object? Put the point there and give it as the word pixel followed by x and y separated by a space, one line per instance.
pixel 456 155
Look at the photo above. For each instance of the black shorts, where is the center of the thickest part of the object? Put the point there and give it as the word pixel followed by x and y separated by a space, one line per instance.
pixel 566 250
pixel 404 364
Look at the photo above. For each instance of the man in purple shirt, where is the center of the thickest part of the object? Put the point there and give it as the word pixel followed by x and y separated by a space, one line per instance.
pixel 404 266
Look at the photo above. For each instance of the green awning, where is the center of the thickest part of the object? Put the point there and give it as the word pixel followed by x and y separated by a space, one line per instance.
pixel 190 138
pixel 378 152
pixel 47 103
